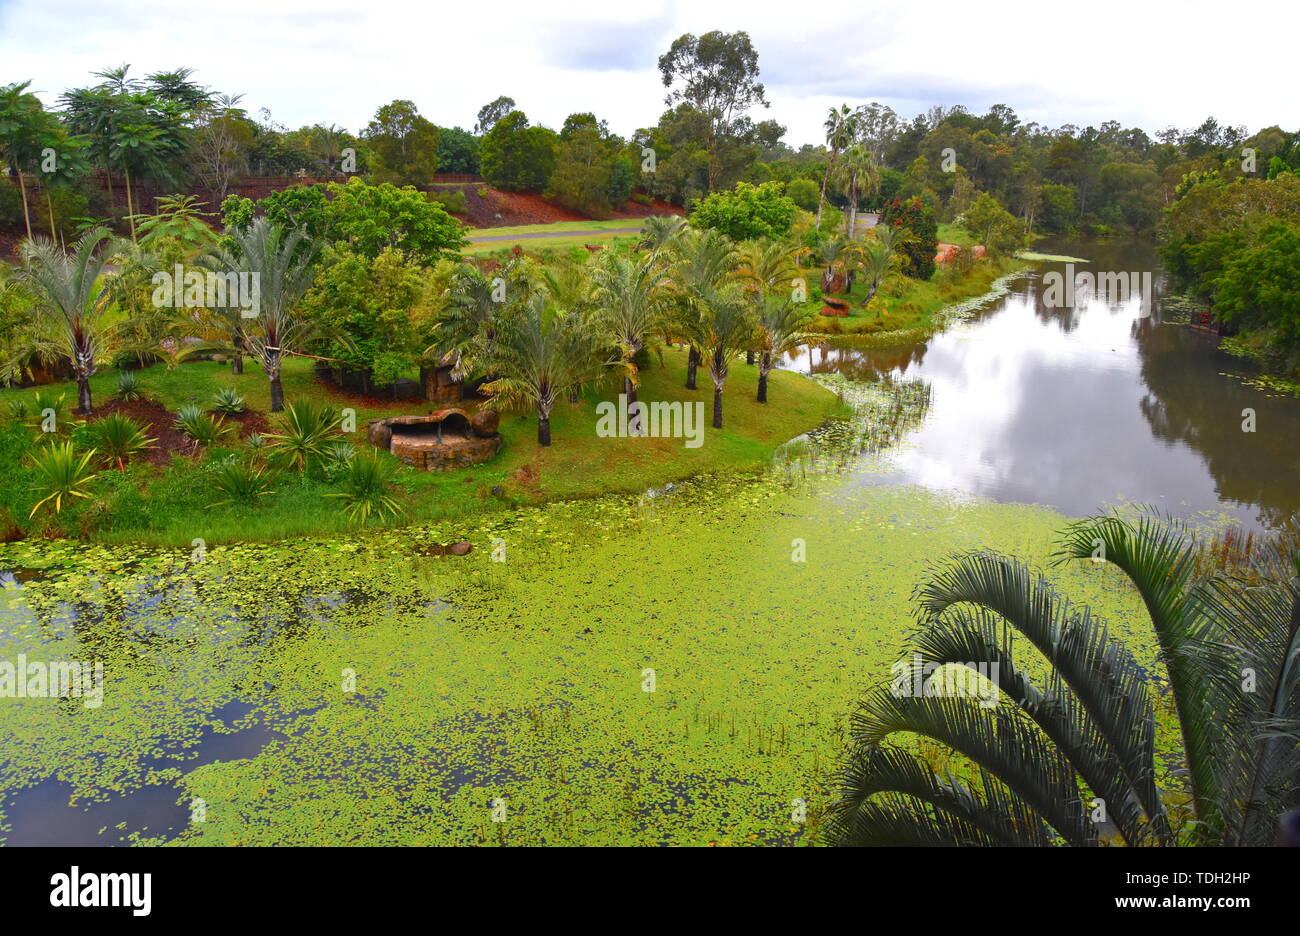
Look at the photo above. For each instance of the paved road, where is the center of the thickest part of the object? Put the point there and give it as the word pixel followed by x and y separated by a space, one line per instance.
pixel 510 237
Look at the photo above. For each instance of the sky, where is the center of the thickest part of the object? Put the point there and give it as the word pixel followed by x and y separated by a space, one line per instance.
pixel 1144 63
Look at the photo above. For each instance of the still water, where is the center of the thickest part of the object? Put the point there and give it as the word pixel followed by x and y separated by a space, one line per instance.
pixel 1082 407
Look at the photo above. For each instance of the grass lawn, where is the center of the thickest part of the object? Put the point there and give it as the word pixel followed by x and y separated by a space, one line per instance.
pixel 541 245
pixel 171 506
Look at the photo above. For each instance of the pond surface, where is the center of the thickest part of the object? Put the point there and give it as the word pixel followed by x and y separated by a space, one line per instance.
pixel 1089 405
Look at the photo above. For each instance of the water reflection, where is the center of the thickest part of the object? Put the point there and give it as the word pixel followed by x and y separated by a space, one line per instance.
pixel 1088 405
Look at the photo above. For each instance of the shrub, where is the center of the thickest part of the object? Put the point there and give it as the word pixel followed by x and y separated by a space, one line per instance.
pixel 61 472
pixel 452 200
pixel 365 488
pixel 229 401
pixel 240 483
pixel 202 428
pixel 305 429
pixel 129 386
pixel 119 438
pixel 748 212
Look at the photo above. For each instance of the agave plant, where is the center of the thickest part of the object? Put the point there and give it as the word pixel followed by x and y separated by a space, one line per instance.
pixel 204 429
pixel 1053 757
pixel 365 488
pixel 240 483
pixel 305 430
pixel 229 401
pixel 129 386
pixel 47 416
pixel 119 438
pixel 61 472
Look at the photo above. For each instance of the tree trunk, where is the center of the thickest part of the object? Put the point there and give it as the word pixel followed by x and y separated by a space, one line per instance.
pixel 237 364
pixel 27 217
pixel 717 407
pixel 762 376
pixel 573 394
pixel 543 430
pixel 277 395
pixel 84 404
pixel 749 356
pixel 692 364
pixel 130 205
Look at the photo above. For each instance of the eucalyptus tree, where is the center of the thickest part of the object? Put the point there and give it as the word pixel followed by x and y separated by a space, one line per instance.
pixel 782 327
pixel 1050 753
pixel 631 299
pixel 539 353
pixel 72 301
pixel 268 258
pixel 841 129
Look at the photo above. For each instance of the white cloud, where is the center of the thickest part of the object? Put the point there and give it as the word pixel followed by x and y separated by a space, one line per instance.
pixel 1143 64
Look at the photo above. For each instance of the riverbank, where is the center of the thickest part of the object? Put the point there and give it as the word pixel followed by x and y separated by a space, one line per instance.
pixel 172 504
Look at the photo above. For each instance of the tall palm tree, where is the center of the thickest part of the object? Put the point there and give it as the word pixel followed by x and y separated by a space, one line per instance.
pixel 765 267
pixel 728 321
pixel 540 352
pixel 857 176
pixel 283 273
pixel 702 262
pixel 24 127
pixel 72 300
pixel 841 129
pixel 836 254
pixel 631 298
pixel 782 327
pixel 1090 726
pixel 660 231
pixel 879 256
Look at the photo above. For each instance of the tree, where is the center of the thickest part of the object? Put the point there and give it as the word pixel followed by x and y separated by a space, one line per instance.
pixel 24 127
pixel 630 296
pixel 404 145
pixel 539 353
pixel 993 225
pixel 858 175
pixel 879 257
pixel 221 142
pixel 72 302
pixel 1090 726
pixel 489 114
pixel 841 128
pixel 372 217
pixel 717 74
pixel 782 325
pixel 457 151
pixel 583 169
pixel 283 273
pixel 1260 284
pixel 702 263
pixel 748 212
pixel 727 325
pixel 516 157
pixel 923 234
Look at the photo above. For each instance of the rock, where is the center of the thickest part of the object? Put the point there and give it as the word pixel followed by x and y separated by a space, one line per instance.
pixel 485 423
pixel 498 490
pixel 460 549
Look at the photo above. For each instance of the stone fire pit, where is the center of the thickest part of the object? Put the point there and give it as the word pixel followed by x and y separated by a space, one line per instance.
pixel 441 441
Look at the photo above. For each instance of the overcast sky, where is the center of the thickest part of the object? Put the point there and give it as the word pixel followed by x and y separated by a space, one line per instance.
pixel 1149 64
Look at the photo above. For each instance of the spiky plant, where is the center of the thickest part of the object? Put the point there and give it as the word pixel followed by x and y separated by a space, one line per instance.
pixel 61 472
pixel 240 483
pixel 47 418
pixel 119 438
pixel 204 429
pixel 632 299
pixel 305 430
pixel 1052 753
pixel 229 402
pixel 129 386
pixel 365 485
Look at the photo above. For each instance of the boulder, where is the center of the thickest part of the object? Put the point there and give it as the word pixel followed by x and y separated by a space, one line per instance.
pixel 485 423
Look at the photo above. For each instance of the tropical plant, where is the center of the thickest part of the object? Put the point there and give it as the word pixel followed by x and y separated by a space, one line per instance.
pixel 837 255
pixel 782 325
pixel 338 456
pixel 204 429
pixel 539 353
pixel 129 386
pixel 47 415
pixel 841 128
pixel 631 298
pixel 879 258
pixel 728 327
pixel 857 175
pixel 240 483
pixel 703 261
pixel 73 302
pixel 366 480
pixel 281 262
pixel 119 438
pixel 305 430
pixel 229 402
pixel 1049 754
pixel 660 231
pixel 61 471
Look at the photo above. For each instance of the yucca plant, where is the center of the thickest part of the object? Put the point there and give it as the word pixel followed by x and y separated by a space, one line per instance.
pixel 229 401
pixel 19 409
pixel 61 472
pixel 338 456
pixel 129 386
pixel 365 488
pixel 204 429
pixel 119 438
pixel 305 431
pixel 1044 760
pixel 240 483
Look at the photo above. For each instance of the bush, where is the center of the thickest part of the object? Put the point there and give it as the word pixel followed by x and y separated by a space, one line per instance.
pixel 804 193
pixel 749 212
pixel 239 483
pixel 202 428
pixel 452 200
pixel 119 438
pixel 365 488
pixel 305 431
pixel 229 402
pixel 918 251
pixel 129 386
pixel 61 471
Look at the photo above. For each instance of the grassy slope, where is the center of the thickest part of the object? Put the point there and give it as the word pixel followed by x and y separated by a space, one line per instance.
pixel 535 245
pixel 612 224
pixel 578 464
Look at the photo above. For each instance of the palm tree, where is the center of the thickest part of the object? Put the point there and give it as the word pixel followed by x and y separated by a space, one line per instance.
pixel 841 129
pixel 835 253
pixel 728 322
pixel 781 328
pixel 764 267
pixel 660 231
pixel 630 296
pixel 857 176
pixel 702 262
pixel 283 273
pixel 73 301
pixel 1090 726
pixel 24 126
pixel 879 258
pixel 541 351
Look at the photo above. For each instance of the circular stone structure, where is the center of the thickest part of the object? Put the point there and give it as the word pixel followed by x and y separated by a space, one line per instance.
pixel 441 441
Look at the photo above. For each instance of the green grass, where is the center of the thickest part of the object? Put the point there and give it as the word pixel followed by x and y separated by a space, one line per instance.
pixel 541 245
pixel 171 506
pixel 956 234
pixel 613 224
